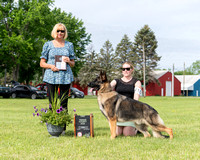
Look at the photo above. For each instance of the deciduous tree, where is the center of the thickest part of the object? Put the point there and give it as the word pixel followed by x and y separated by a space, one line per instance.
pixel 25 26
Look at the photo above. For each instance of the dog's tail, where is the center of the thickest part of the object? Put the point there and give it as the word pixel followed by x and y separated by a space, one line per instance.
pixel 158 127
pixel 159 120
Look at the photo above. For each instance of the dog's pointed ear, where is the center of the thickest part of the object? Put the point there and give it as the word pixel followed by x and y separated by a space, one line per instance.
pixel 103 76
pixel 101 72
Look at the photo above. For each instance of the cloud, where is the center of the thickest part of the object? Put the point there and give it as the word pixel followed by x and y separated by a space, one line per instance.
pixel 175 23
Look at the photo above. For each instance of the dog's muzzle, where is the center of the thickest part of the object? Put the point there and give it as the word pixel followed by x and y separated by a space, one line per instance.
pixel 94 86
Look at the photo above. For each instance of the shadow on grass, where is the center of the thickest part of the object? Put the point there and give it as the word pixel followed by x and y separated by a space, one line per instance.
pixel 105 131
pixel 69 133
pixel 99 131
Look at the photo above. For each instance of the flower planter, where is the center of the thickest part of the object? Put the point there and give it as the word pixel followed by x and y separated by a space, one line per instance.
pixel 54 130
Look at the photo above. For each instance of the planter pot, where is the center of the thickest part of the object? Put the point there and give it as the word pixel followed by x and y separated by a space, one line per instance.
pixel 54 130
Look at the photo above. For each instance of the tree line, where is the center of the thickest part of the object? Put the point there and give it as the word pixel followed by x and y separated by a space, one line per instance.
pixel 140 52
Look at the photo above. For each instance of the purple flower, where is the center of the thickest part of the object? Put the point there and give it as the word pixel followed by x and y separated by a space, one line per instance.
pixel 61 109
pixel 42 110
pixel 58 110
pixel 50 106
pixel 33 114
pixel 34 107
pixel 74 110
pixel 38 114
pixel 36 110
pixel 46 111
pixel 46 123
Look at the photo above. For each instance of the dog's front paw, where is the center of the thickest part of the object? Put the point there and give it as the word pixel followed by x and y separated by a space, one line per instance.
pixel 112 137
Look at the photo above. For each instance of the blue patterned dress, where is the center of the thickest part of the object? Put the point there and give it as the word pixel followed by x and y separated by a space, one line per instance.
pixel 48 53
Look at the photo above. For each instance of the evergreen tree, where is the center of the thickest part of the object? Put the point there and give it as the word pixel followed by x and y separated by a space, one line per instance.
pixel 145 44
pixel 107 60
pixel 124 52
pixel 89 70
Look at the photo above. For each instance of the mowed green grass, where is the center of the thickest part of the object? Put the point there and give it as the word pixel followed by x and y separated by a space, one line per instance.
pixel 23 137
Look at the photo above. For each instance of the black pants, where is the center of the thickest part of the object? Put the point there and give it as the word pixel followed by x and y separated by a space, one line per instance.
pixel 64 91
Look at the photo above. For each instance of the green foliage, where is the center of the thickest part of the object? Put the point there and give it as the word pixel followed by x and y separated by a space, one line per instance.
pixel 124 52
pixel 194 69
pixel 186 72
pixel 25 26
pixel 145 43
pixel 107 60
pixel 90 68
pixel 55 114
pixel 59 119
pixel 22 26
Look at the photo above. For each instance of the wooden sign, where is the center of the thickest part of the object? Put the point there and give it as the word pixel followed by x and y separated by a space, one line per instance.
pixel 83 126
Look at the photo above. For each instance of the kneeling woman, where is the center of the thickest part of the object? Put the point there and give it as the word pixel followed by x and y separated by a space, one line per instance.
pixel 130 87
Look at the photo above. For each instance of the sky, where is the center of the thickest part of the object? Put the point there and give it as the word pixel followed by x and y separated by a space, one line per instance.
pixel 175 23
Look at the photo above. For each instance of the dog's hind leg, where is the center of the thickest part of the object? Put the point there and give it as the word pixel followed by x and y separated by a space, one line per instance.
pixel 162 128
pixel 143 129
pixel 157 134
pixel 145 133
pixel 157 124
pixel 113 124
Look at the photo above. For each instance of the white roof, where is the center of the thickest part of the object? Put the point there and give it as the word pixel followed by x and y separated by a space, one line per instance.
pixel 187 81
pixel 158 74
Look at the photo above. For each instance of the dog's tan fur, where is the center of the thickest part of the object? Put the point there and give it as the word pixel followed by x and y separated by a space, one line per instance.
pixel 117 107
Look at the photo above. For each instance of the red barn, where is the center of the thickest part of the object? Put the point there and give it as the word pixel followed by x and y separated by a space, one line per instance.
pixel 165 86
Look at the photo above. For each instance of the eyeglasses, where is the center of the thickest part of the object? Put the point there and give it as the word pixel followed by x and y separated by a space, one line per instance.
pixel 62 31
pixel 128 69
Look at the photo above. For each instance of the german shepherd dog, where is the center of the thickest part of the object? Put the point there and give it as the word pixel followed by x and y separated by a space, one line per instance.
pixel 116 107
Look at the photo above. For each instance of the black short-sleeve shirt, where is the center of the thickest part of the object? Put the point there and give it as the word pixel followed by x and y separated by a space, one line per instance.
pixel 126 88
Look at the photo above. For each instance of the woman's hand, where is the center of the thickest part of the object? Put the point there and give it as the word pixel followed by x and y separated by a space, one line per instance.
pixel 43 64
pixel 54 68
pixel 69 61
pixel 66 59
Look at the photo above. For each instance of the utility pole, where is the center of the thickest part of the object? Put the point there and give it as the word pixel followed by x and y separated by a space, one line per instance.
pixel 144 82
pixel 173 81
pixel 184 79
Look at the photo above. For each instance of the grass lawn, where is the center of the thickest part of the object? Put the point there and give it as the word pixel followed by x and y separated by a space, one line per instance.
pixel 23 137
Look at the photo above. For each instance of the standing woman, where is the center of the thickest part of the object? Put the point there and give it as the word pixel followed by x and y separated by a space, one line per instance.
pixel 129 87
pixel 53 76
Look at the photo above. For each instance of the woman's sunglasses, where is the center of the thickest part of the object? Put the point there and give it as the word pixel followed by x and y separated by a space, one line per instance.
pixel 128 69
pixel 62 31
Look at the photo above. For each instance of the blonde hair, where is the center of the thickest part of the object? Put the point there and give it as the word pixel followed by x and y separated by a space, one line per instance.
pixel 54 31
pixel 129 63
